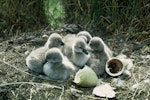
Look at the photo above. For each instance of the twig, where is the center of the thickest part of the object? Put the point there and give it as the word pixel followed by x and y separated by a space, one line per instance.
pixel 6 63
pixel 60 98
pixel 76 90
pixel 31 83
pixel 133 75
pixel 134 94
pixel 31 94
pixel 109 22
pixel 18 53
pixel 95 98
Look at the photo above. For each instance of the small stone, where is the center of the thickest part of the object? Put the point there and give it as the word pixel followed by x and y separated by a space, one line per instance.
pixel 27 53
pixel 136 86
pixel 45 36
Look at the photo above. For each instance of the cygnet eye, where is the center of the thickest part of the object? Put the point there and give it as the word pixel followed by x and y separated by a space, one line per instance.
pixel 59 42
pixel 91 44
pixel 80 47
pixel 62 43
pixel 47 56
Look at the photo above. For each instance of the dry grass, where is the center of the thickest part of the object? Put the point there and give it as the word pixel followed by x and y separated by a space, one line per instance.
pixel 21 15
pixel 115 16
pixel 130 18
pixel 16 83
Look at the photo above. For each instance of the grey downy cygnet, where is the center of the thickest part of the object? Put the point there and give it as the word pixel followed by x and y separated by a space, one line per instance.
pixel 83 34
pixel 36 59
pixel 86 34
pixel 76 51
pixel 57 66
pixel 55 40
pixel 100 53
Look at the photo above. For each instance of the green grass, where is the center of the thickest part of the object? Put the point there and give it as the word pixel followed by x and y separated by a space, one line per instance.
pixel 129 16
pixel 119 17
pixel 21 15
pixel 54 12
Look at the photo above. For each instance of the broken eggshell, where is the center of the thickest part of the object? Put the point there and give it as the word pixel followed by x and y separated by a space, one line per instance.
pixel 117 65
pixel 86 77
pixel 104 90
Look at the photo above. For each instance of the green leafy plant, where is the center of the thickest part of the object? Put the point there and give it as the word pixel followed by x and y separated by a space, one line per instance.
pixel 54 12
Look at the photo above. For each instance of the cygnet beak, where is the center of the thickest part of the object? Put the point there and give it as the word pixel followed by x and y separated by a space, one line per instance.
pixel 85 51
pixel 88 48
pixel 62 43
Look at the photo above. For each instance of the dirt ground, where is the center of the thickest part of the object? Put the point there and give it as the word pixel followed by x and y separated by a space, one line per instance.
pixel 16 83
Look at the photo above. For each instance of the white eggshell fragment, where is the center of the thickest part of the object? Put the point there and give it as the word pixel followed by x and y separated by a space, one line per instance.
pixel 86 77
pixel 104 90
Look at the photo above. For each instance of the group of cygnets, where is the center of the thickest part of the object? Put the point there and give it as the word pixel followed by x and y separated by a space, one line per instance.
pixel 62 56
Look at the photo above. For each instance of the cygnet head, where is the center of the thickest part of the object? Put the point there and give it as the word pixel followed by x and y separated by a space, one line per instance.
pixel 54 56
pixel 80 46
pixel 84 38
pixel 96 44
pixel 86 34
pixel 55 40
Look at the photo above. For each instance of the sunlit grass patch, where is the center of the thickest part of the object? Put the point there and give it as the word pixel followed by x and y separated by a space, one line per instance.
pixel 54 12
